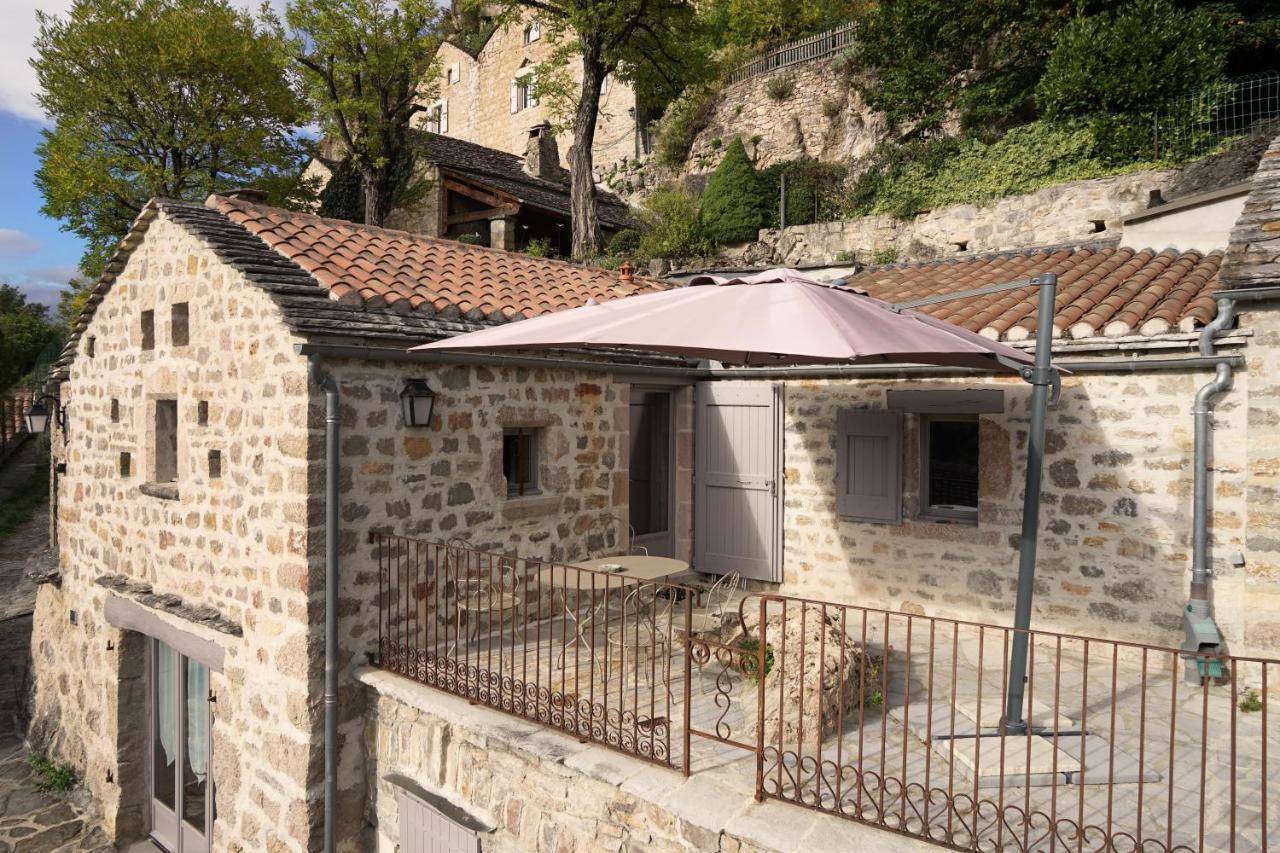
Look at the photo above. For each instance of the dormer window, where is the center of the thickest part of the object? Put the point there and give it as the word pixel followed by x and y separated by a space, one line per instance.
pixel 532 33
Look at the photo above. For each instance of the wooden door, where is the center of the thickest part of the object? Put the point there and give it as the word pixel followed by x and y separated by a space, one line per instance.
pixel 737 475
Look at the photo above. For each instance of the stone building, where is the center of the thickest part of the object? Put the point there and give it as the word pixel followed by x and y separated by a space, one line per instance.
pixel 179 653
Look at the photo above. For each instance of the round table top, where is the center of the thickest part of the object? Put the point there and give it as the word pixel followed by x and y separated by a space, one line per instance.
pixel 637 566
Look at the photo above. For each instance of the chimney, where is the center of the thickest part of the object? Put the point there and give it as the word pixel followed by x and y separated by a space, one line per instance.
pixel 627 273
pixel 249 194
pixel 542 155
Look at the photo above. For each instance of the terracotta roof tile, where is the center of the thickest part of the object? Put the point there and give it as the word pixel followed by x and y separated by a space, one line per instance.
pixel 1102 290
pixel 399 271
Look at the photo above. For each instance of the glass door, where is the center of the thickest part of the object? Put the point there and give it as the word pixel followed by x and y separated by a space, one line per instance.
pixel 181 793
pixel 651 483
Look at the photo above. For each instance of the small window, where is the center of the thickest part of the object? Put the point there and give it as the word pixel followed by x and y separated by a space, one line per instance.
pixel 532 33
pixel 202 413
pixel 215 464
pixel 523 93
pixel 438 118
pixel 115 411
pixel 92 346
pixel 453 74
pixel 166 441
pixel 126 463
pixel 179 331
pixel 949 467
pixel 148 330
pixel 520 461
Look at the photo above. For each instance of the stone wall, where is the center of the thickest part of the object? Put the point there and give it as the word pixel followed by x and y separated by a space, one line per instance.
pixel 479 102
pixel 237 545
pixel 822 117
pixel 1070 213
pixel 1259 579
pixel 444 481
pixel 1115 535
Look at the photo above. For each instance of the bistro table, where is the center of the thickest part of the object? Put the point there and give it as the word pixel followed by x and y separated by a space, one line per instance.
pixel 585 594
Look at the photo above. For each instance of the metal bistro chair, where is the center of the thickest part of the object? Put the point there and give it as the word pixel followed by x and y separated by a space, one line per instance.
pixel 713 612
pixel 616 524
pixel 479 599
pixel 641 641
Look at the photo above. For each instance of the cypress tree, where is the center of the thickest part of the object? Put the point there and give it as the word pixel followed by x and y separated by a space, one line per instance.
pixel 733 208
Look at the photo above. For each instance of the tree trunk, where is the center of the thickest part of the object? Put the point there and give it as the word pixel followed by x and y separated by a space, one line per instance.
pixel 371 183
pixel 582 198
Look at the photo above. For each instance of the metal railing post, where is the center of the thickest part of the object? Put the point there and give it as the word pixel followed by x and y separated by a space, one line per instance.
pixel 760 676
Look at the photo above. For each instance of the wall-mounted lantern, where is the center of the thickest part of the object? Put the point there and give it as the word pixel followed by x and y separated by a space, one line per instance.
pixel 417 400
pixel 37 417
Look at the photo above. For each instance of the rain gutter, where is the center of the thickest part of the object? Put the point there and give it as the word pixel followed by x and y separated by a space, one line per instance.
pixel 399 354
pixel 330 387
pixel 1201 632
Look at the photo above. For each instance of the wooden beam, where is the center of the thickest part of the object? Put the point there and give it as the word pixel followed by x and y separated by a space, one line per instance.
pixel 491 197
pixel 500 212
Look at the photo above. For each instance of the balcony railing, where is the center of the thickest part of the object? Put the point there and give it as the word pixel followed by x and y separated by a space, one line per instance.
pixel 886 718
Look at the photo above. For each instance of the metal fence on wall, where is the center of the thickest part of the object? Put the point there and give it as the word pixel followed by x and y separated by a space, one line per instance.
pixel 1237 108
pixel 793 53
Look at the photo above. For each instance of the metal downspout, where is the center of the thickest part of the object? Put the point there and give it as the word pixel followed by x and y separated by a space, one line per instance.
pixel 1201 630
pixel 330 387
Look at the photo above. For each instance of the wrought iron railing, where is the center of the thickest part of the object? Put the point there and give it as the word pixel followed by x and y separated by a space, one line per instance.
pixel 587 652
pixel 890 719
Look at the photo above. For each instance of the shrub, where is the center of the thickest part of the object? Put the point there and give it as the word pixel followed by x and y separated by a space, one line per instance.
pixel 473 239
pixel 1251 702
pixel 780 88
pixel 540 247
pixel 885 256
pixel 343 196
pixel 831 107
pixel 733 209
pixel 813 191
pixel 685 117
pixel 625 242
pixel 1132 60
pixel 672 228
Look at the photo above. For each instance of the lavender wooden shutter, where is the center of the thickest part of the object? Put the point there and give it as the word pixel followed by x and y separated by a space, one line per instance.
pixel 869 466
pixel 424 829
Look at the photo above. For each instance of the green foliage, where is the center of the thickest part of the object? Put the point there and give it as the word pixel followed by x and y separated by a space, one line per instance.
pixel 885 256
pixel 1251 702
pixel 781 87
pixel 471 238
pixel 845 256
pixel 24 333
pixel 759 22
pixel 343 196
pixel 672 227
pixel 540 247
pixel 51 777
pixel 684 119
pixel 1093 68
pixel 733 208
pixel 751 665
pixel 905 179
pixel 173 98
pixel 72 299
pixel 625 243
pixel 813 191
pixel 980 58
pixel 832 107
pixel 365 67
pixel 21 504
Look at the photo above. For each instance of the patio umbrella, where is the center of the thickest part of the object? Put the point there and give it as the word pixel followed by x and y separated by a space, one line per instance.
pixel 777 317
pixel 782 317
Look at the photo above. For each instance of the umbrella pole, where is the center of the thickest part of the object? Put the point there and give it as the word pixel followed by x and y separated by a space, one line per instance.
pixel 1041 377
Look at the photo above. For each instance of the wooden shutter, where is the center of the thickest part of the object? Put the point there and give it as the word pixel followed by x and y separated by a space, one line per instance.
pixel 869 466
pixel 532 82
pixel 425 829
pixel 444 116
pixel 515 94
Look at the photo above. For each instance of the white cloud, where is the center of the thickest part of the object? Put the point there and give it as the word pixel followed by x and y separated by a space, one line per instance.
pixel 14 243
pixel 17 36
pixel 42 285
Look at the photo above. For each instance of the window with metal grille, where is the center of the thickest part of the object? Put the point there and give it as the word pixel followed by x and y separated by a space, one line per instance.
pixel 949 467
pixel 520 460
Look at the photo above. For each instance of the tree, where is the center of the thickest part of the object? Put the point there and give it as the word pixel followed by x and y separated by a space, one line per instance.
pixel 980 59
pixel 366 68
pixel 760 22
pixel 733 208
pixel 172 98
pixel 24 333
pixel 644 42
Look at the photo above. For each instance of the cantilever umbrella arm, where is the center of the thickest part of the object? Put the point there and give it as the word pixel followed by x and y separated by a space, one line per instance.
pixel 1046 386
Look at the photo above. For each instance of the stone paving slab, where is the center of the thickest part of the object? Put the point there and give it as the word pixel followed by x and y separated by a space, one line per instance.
pixel 35 822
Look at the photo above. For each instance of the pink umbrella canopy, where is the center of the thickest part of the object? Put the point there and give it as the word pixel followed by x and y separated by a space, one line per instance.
pixel 776 317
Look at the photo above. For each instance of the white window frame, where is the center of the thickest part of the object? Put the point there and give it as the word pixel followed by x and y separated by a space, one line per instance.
pixel 438 117
pixel 522 92
pixel 532 33
pixel 453 74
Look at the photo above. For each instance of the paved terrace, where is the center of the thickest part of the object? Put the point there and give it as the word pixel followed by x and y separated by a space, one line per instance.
pixel 1150 744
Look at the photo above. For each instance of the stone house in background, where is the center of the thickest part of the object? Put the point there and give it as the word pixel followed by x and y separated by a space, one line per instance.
pixel 187 620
